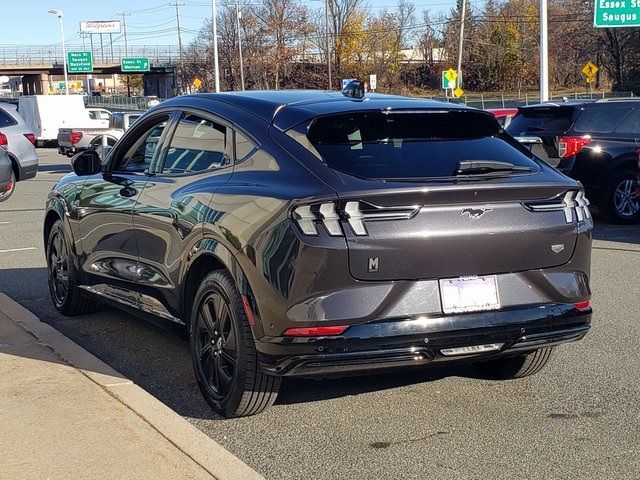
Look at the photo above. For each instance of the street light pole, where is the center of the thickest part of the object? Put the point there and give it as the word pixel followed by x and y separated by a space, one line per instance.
pixel 326 27
pixel 240 46
pixel 214 32
pixel 461 42
pixel 544 53
pixel 58 13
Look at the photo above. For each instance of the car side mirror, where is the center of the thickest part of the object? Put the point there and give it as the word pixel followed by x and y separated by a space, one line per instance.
pixel 86 163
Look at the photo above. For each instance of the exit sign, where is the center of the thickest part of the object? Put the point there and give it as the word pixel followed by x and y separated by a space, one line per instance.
pixel 79 62
pixel 135 64
pixel 617 13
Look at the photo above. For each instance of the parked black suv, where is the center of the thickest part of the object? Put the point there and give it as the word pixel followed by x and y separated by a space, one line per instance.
pixel 597 143
pixel 306 233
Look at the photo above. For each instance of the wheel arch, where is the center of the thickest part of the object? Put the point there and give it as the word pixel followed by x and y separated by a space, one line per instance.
pixel 626 161
pixel 211 255
pixel 15 165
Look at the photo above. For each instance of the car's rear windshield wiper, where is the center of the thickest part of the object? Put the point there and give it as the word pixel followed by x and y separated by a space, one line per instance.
pixel 480 167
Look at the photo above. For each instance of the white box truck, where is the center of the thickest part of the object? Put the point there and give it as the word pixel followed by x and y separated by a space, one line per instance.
pixel 46 114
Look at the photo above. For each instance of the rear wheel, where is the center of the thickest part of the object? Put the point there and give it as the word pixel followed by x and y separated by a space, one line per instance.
pixel 621 202
pixel 63 275
pixel 223 352
pixel 516 367
pixel 11 188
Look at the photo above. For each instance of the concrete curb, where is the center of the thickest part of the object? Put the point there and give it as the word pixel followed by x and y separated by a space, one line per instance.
pixel 204 451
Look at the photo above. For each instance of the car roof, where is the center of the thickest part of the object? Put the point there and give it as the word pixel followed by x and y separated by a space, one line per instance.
pixel 286 108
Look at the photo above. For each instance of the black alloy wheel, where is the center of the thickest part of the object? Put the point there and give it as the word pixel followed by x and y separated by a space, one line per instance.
pixel 224 352
pixel 216 342
pixel 63 276
pixel 622 198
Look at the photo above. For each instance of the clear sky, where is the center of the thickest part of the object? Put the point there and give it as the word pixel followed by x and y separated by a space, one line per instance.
pixel 151 22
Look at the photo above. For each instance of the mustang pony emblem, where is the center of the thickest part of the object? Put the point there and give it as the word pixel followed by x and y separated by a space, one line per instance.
pixel 475 213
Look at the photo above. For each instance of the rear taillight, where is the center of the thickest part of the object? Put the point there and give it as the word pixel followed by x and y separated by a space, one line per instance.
pixel 355 213
pixel 3 140
pixel 75 137
pixel 571 202
pixel 31 137
pixel 583 306
pixel 315 331
pixel 570 146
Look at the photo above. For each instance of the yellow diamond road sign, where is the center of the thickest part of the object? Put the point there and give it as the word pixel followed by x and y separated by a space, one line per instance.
pixel 458 92
pixel 590 69
pixel 451 75
pixel 197 82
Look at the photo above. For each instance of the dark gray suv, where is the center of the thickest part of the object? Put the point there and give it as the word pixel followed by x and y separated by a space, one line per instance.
pixel 307 233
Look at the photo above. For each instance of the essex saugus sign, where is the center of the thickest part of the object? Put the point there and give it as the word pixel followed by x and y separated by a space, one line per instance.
pixel 617 13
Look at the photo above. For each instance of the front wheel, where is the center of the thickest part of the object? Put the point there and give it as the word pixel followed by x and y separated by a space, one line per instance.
pixel 223 351
pixel 516 367
pixel 621 202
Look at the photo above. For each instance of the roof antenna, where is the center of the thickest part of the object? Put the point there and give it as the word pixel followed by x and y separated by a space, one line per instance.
pixel 354 89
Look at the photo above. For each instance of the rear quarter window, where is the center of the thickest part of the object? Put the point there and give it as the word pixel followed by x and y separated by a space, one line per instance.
pixel 399 145
pixel 6 120
pixel 601 119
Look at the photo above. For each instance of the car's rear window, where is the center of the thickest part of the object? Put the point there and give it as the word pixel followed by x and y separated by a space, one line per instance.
pixel 6 120
pixel 545 119
pixel 410 145
pixel 602 118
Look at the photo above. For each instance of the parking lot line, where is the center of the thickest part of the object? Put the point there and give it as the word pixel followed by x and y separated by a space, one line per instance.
pixel 18 250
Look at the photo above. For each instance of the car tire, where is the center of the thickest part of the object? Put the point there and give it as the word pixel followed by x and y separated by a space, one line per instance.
pixel 516 367
pixel 621 202
pixel 223 351
pixel 6 195
pixel 63 277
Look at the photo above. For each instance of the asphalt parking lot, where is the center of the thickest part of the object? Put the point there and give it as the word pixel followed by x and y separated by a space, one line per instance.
pixel 579 418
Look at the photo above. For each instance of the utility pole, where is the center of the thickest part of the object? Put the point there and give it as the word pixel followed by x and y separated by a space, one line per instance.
pixel 124 16
pixel 59 14
pixel 240 46
pixel 461 42
pixel 178 5
pixel 544 53
pixel 214 32
pixel 326 27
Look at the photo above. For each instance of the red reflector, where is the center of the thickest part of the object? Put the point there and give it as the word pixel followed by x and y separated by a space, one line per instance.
pixel 31 137
pixel 570 146
pixel 75 137
pixel 247 310
pixel 583 306
pixel 3 140
pixel 315 331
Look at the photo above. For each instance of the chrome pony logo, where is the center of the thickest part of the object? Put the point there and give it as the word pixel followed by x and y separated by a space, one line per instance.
pixel 475 213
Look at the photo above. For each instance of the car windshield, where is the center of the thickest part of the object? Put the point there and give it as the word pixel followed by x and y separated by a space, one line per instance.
pixel 541 119
pixel 407 146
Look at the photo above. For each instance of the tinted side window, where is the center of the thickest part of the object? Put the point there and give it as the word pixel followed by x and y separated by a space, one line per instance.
pixel 197 145
pixel 139 156
pixel 631 124
pixel 601 119
pixel 6 120
pixel 244 147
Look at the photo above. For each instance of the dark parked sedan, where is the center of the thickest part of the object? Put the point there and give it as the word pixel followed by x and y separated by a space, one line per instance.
pixel 307 233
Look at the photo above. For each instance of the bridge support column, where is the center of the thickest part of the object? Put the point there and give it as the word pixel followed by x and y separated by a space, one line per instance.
pixel 160 84
pixel 35 84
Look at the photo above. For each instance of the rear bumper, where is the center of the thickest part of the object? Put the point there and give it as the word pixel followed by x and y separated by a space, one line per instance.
pixel 27 169
pixel 420 341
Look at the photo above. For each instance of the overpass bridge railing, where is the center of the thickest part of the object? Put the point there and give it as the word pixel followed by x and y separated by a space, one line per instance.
pixel 52 54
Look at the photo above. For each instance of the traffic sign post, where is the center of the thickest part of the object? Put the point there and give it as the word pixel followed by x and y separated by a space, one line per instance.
pixel 450 81
pixel 373 82
pixel 135 64
pixel 79 62
pixel 616 13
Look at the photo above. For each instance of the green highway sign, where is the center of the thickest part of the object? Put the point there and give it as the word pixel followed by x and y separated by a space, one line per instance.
pixel 79 62
pixel 135 64
pixel 617 13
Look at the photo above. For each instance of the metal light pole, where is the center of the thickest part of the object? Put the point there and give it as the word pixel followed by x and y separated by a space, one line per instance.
pixel 240 46
pixel 58 13
pixel 544 53
pixel 462 18
pixel 214 31
pixel 326 27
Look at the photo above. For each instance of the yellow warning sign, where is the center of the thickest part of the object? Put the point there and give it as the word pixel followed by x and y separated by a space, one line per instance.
pixel 590 69
pixel 458 92
pixel 451 75
pixel 197 82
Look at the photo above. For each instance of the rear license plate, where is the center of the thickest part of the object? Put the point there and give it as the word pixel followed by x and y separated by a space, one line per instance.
pixel 469 294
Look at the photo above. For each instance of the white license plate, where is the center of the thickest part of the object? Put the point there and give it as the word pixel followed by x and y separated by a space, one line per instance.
pixel 469 294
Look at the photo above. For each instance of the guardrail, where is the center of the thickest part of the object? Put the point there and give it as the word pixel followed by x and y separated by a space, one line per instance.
pixel 52 54
pixel 119 103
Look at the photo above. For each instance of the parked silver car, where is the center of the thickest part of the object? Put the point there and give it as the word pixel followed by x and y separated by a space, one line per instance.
pixel 19 141
pixel 6 175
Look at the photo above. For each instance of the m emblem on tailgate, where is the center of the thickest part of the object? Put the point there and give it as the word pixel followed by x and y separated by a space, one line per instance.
pixel 373 264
